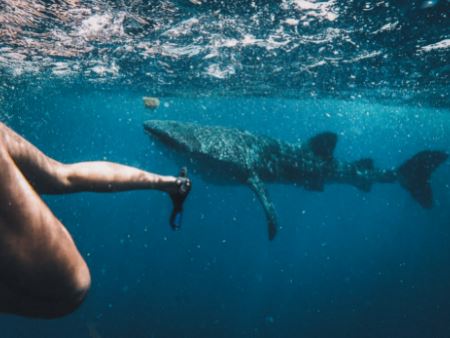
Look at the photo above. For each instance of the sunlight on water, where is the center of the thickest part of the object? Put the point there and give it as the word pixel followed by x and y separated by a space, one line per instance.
pixel 288 48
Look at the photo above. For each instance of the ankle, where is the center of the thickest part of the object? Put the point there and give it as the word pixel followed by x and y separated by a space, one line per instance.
pixel 166 184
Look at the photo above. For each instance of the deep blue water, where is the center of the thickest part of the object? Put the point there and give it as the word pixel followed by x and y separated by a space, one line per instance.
pixel 344 264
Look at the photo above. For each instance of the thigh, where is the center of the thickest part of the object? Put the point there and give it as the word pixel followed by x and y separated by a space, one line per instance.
pixel 45 174
pixel 38 258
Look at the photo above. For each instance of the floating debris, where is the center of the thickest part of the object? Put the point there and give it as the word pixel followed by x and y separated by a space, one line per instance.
pixel 151 102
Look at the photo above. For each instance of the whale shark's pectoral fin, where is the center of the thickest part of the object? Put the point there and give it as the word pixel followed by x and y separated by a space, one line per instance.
pixel 259 189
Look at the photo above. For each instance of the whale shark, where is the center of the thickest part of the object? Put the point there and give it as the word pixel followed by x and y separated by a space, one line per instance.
pixel 234 156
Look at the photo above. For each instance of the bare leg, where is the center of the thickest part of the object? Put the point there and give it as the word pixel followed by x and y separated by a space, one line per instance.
pixel 42 272
pixel 52 177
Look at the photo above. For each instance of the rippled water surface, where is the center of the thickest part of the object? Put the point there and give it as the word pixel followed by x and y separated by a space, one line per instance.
pixel 391 50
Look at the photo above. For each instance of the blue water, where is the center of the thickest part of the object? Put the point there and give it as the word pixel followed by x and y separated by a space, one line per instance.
pixel 344 264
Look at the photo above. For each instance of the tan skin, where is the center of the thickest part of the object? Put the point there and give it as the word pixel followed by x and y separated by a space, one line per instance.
pixel 42 274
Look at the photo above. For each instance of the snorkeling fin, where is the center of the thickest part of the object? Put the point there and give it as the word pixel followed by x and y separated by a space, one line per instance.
pixel 184 186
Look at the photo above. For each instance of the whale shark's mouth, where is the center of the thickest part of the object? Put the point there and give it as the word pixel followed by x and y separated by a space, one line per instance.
pixel 168 133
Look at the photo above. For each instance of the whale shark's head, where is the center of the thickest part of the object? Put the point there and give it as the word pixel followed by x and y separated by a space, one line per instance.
pixel 176 135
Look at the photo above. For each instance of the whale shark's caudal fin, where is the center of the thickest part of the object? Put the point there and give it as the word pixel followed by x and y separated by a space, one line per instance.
pixel 414 175
pixel 322 145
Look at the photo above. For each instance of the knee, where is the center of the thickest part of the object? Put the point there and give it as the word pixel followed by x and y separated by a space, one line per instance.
pixel 71 295
pixel 77 290
pixel 60 298
pixel 81 284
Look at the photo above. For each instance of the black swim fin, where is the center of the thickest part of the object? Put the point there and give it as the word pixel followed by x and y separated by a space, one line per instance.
pixel 178 198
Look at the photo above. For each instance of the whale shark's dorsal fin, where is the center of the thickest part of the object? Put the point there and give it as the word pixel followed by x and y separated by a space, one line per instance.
pixel 323 144
pixel 258 187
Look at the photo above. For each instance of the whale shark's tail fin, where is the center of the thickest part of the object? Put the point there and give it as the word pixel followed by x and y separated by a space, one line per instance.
pixel 414 175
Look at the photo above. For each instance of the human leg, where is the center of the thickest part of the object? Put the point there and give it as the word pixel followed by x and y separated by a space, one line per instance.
pixel 42 272
pixel 49 176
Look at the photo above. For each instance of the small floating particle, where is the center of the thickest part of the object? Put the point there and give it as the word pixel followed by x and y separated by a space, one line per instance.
pixel 429 3
pixel 291 22
pixel 270 319
pixel 151 102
